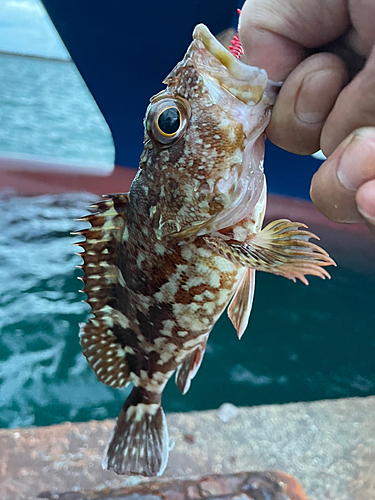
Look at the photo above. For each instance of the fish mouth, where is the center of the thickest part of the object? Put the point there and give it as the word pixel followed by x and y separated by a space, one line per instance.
pixel 248 83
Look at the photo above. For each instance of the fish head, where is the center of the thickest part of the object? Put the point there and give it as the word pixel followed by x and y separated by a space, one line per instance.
pixel 203 149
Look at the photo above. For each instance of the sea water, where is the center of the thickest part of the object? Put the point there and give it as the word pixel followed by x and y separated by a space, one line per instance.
pixel 302 343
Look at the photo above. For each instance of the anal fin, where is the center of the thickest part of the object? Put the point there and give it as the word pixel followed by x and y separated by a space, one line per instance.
pixel 240 307
pixel 280 248
pixel 189 368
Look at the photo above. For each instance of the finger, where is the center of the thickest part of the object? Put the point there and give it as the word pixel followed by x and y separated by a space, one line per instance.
pixel 354 108
pixel 362 35
pixel 304 102
pixel 274 32
pixel 339 188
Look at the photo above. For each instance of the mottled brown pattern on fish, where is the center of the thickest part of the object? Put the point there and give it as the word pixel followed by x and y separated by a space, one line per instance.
pixel 154 289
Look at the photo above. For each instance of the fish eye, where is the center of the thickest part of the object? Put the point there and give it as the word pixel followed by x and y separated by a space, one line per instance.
pixel 167 118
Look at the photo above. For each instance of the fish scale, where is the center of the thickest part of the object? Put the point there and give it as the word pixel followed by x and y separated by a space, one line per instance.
pixel 162 262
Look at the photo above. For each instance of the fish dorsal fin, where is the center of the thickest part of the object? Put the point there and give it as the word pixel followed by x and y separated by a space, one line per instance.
pixel 240 307
pixel 189 368
pixel 100 346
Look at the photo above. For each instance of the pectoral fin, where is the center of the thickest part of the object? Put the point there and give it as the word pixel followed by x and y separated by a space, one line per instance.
pixel 280 248
pixel 240 308
pixel 189 368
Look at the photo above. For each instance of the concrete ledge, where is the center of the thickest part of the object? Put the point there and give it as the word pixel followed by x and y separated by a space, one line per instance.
pixel 329 446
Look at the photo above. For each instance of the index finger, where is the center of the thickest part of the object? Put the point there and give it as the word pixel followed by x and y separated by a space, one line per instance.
pixel 275 33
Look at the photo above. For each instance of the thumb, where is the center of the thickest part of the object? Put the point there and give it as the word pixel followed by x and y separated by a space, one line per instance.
pixel 274 33
pixel 343 189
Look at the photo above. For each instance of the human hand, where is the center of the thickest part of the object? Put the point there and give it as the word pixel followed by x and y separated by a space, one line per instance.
pixel 318 107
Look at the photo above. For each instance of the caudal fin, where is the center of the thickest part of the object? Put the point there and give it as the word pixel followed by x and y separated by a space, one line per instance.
pixel 139 444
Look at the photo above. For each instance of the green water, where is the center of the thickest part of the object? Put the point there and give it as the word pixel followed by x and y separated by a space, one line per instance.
pixel 303 343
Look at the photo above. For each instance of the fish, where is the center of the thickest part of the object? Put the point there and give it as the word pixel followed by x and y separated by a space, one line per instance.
pixel 162 262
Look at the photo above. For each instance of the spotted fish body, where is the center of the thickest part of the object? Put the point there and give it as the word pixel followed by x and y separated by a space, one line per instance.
pixel 163 261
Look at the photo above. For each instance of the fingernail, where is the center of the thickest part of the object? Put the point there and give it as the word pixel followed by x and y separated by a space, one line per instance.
pixel 365 199
pixel 316 97
pixel 330 197
pixel 369 220
pixel 356 165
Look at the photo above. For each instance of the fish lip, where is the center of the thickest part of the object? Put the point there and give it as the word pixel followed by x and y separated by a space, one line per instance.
pixel 235 67
pixel 248 83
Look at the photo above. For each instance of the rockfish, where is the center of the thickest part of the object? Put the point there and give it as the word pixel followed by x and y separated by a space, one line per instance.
pixel 163 261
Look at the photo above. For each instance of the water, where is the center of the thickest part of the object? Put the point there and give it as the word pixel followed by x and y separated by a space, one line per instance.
pixel 46 111
pixel 303 343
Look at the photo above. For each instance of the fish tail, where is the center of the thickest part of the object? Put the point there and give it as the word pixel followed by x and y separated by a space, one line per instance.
pixel 139 444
